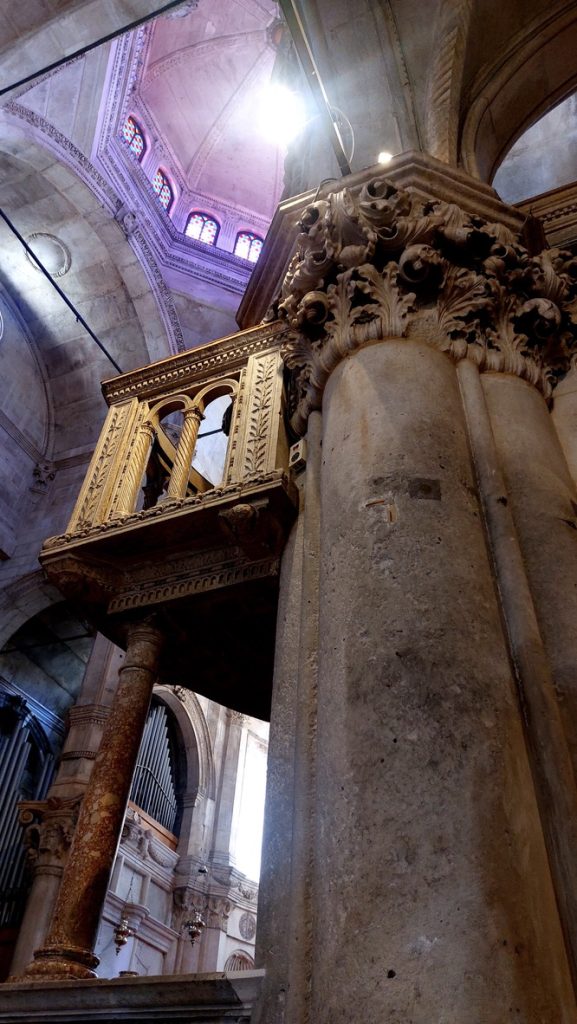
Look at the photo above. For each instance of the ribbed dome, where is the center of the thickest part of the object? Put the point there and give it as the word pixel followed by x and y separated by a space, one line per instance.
pixel 202 84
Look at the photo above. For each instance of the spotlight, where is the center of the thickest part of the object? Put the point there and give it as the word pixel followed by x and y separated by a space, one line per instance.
pixel 384 157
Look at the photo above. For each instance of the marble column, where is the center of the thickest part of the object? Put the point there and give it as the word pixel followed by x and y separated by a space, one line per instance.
pixel 68 950
pixel 443 807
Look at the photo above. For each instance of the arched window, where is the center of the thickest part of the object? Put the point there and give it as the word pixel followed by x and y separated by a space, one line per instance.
pixel 133 136
pixel 239 961
pixel 248 246
pixel 163 189
pixel 203 227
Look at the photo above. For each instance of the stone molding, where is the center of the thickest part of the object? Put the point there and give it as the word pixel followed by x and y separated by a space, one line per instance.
pixel 58 143
pixel 88 714
pixel 168 508
pixel 558 212
pixel 193 365
pixel 378 261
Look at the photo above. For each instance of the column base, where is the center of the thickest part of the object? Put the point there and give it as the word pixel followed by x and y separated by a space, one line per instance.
pixel 61 962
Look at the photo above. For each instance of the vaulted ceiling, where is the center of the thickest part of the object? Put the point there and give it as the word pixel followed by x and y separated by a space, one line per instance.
pixel 461 79
pixel 202 82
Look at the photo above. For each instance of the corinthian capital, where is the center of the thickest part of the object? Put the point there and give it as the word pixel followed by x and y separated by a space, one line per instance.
pixel 378 261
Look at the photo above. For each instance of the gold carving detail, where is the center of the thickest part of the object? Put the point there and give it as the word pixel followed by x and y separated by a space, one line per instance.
pixel 92 494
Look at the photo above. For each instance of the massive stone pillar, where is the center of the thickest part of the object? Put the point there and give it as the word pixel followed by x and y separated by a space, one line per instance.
pixel 68 950
pixel 439 797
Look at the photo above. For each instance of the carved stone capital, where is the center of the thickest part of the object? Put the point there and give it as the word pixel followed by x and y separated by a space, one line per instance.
pixel 218 910
pixel 48 829
pixel 378 261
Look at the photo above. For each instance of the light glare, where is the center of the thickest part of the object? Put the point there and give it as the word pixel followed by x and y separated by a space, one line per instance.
pixel 283 114
pixel 384 157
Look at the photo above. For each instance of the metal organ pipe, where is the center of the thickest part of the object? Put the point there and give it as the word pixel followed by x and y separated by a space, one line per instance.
pixel 153 783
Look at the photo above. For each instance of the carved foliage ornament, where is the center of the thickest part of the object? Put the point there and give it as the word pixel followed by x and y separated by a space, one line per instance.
pixel 378 262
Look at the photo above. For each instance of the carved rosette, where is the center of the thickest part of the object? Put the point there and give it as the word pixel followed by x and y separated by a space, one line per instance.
pixel 379 262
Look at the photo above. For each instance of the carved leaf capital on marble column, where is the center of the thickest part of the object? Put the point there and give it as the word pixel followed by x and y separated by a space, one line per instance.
pixel 377 261
pixel 48 829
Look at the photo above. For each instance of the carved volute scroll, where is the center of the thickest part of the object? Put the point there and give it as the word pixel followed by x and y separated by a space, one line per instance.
pixel 377 261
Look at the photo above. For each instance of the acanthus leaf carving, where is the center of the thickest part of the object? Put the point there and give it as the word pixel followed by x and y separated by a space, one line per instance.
pixel 378 261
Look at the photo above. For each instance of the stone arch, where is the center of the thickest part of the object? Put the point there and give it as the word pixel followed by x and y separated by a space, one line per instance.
pixel 239 960
pixel 94 198
pixel 189 715
pixel 535 73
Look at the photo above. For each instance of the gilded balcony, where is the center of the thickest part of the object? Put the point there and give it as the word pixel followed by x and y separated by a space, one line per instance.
pixel 184 511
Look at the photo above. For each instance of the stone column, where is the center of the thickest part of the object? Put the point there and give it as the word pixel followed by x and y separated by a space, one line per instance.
pixel 49 824
pixel 68 951
pixel 184 454
pixel 134 471
pixel 425 805
pixel 441 881
pixel 544 506
pixel 48 830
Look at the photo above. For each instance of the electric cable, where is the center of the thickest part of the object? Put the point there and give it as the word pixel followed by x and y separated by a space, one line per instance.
pixel 80 319
pixel 92 46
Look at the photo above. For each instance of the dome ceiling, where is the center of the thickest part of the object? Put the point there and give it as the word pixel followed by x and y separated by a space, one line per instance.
pixel 200 89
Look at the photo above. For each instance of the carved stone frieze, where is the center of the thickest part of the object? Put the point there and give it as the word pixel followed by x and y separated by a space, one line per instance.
pixel 185 584
pixel 247 926
pixel 139 838
pixel 377 261
pixel 43 473
pixel 259 416
pixel 218 910
pixel 194 365
pixel 215 909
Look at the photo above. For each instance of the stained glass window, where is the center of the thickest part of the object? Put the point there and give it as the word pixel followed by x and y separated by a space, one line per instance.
pixel 133 136
pixel 202 226
pixel 162 187
pixel 248 246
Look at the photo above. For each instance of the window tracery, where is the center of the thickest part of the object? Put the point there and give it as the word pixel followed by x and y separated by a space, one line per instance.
pixel 248 246
pixel 202 227
pixel 133 136
pixel 163 189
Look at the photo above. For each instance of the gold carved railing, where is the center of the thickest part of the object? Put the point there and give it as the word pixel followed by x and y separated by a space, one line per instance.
pixel 204 557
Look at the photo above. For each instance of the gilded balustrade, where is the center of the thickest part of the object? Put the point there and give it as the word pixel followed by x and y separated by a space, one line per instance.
pixel 150 533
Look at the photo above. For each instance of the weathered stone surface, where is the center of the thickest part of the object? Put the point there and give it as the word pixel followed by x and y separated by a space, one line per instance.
pixel 431 888
pixel 377 261
pixel 200 998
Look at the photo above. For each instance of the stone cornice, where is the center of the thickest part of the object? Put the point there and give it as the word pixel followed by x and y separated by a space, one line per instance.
pixel 195 364
pixel 557 210
pixel 376 260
